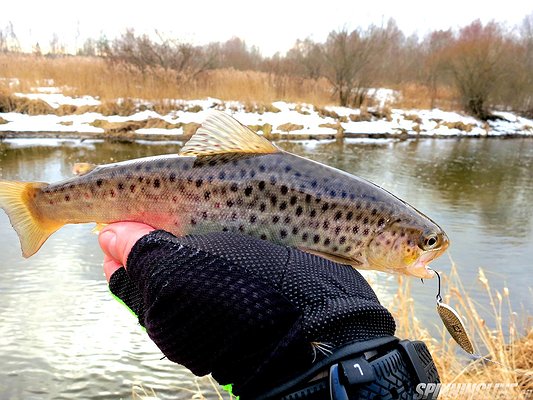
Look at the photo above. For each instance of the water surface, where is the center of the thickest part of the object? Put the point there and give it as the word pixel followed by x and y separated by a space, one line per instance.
pixel 63 336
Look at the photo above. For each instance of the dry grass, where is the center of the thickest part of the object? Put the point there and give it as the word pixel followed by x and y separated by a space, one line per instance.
pixel 93 76
pixel 419 96
pixel 511 348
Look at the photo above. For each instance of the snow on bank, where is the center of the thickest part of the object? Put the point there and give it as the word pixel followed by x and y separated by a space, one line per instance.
pixel 287 120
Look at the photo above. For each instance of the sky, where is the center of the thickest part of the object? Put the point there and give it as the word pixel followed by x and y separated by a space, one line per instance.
pixel 272 25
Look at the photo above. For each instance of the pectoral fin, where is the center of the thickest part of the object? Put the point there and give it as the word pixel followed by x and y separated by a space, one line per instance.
pixel 333 257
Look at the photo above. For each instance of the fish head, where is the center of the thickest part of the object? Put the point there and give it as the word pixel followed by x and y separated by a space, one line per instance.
pixel 407 247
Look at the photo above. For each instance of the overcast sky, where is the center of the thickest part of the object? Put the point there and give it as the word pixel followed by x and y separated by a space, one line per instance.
pixel 271 25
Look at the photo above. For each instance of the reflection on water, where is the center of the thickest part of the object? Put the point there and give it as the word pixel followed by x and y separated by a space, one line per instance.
pixel 62 336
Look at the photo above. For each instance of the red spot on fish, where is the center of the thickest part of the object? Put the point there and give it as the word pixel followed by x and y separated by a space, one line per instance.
pixel 217 205
pixel 112 193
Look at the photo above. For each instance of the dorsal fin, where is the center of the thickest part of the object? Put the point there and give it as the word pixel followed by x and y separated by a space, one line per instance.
pixel 221 133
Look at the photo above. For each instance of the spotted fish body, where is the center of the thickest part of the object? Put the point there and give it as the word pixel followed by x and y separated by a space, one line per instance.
pixel 272 195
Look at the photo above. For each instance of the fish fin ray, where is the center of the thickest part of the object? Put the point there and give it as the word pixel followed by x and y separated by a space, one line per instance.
pixel 82 168
pixel 16 198
pixel 332 257
pixel 221 133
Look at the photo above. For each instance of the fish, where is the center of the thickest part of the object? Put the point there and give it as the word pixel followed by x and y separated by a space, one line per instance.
pixel 228 178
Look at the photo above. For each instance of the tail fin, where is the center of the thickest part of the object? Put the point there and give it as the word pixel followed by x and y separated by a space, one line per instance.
pixel 17 200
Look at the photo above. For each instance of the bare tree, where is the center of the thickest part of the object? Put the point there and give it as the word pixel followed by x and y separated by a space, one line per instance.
pixel 346 56
pixel 475 61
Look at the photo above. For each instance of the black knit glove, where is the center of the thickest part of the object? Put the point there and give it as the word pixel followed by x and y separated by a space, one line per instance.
pixel 246 310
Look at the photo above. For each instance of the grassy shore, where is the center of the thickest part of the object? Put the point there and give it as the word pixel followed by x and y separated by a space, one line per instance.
pixel 93 76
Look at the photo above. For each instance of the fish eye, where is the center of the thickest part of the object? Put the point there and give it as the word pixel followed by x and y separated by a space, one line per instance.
pixel 429 241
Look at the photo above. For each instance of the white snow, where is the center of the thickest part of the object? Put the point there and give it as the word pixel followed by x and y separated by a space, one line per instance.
pixel 411 122
pixel 57 99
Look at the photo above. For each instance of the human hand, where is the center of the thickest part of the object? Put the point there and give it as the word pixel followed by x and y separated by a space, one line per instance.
pixel 116 241
pixel 248 311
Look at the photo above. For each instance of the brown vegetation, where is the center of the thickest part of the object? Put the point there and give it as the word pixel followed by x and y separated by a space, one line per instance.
pixel 480 67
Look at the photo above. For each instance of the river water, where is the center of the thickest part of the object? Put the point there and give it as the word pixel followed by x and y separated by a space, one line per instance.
pixel 63 336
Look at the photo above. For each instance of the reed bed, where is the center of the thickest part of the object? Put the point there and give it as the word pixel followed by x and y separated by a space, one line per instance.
pixel 77 76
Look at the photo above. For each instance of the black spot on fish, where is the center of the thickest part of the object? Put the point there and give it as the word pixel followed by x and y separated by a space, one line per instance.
pixel 262 207
pixel 316 239
pixel 221 175
pixel 308 198
pixel 284 189
pixel 295 230
pixel 304 237
pixel 314 184
pixel 325 225
pixel 253 218
pixel 374 211
pixel 263 236
pixel 248 191
pixel 337 230
pixel 252 173
pixel 193 221
pixel 283 205
pixel 348 249
pixel 299 211
pixel 297 174
pixel 312 214
pixel 132 188
pixel 342 239
pixel 381 222
pixel 287 220
pixel 213 163
pixel 325 207
pixel 99 182
pixel 335 249
pixel 327 242
pixel 293 200
pixel 172 177
pixel 243 173
pixel 67 198
pixel 366 231
pixel 204 214
pixel 120 186
pixel 157 183
pixel 288 168
pixel 230 203
pixel 239 201
pixel 332 193
pixel 343 194
pixel 148 168
pixel 338 215
pixel 241 228
pixel 273 199
pixel 275 219
pixel 234 187
pixel 283 233
pixel 355 229
pixel 224 229
pixel 262 168
pixel 349 216
pixel 261 185
pixel 199 183
pixel 365 221
pixel 273 180
pixel 207 195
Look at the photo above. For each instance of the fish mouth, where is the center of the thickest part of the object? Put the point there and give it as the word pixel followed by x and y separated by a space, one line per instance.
pixel 420 268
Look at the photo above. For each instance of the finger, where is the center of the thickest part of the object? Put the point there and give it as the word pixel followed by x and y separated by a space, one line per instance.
pixel 110 266
pixel 116 240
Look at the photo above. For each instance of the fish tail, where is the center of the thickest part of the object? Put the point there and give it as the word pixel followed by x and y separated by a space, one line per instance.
pixel 17 200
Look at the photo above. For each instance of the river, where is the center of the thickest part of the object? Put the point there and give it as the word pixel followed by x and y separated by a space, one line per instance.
pixel 63 336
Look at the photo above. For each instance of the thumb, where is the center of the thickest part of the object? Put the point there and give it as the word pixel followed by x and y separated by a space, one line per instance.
pixel 116 240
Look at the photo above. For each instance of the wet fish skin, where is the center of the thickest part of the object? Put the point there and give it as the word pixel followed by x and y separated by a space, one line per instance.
pixel 275 196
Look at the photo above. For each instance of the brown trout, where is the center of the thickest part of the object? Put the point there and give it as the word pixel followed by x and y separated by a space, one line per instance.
pixel 228 178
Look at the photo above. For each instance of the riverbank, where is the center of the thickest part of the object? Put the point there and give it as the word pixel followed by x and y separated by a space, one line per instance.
pixel 48 113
